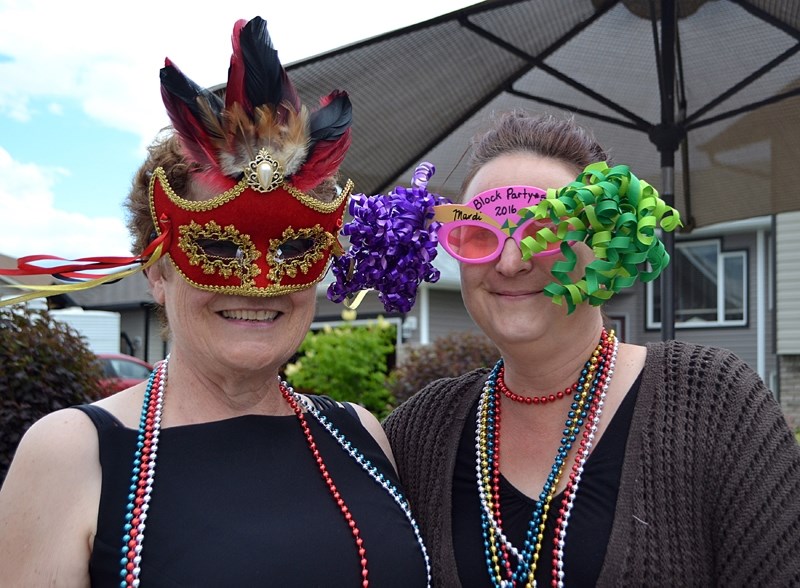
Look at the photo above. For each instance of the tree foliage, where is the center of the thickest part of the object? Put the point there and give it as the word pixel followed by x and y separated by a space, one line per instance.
pixel 45 365
pixel 347 363
pixel 350 363
pixel 448 356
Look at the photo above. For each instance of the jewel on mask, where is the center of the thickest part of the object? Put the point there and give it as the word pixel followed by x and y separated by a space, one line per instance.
pixel 264 173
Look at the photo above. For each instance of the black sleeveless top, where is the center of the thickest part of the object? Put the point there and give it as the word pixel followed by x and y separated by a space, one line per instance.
pixel 590 520
pixel 241 502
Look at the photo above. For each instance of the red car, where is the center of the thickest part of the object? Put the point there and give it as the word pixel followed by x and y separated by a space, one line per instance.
pixel 122 371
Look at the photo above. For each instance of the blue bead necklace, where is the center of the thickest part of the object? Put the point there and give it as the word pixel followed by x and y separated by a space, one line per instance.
pixel 144 468
pixel 497 548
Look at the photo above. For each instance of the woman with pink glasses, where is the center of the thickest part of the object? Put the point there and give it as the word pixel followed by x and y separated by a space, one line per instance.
pixel 579 459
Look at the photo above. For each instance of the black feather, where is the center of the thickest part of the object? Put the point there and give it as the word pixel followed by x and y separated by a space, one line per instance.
pixel 177 84
pixel 192 110
pixel 265 80
pixel 331 120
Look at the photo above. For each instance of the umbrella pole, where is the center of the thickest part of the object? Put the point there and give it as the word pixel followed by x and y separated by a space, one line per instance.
pixel 667 276
pixel 667 145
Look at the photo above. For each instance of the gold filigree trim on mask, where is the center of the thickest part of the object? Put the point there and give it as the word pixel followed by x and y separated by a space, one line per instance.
pixel 242 265
pixel 264 173
pixel 318 205
pixel 271 290
pixel 280 267
pixel 194 205
pixel 241 186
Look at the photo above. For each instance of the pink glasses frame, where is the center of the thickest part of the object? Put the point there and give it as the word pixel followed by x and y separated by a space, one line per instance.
pixel 517 235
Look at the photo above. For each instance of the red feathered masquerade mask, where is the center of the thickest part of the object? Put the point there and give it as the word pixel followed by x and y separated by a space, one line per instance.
pixel 246 242
pixel 258 152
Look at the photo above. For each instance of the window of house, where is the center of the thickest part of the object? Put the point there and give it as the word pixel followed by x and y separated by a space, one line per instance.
pixel 710 287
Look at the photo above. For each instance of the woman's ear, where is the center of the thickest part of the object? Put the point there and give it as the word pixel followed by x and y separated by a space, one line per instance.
pixel 155 277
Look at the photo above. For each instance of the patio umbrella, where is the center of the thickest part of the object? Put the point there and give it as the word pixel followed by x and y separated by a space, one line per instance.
pixel 669 86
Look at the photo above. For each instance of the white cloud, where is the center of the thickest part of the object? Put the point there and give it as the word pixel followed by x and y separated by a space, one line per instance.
pixel 26 196
pixel 54 52
pixel 110 63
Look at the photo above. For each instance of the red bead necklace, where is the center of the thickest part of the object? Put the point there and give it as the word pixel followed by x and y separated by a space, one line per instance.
pixel 568 392
pixel 329 481
pixel 144 476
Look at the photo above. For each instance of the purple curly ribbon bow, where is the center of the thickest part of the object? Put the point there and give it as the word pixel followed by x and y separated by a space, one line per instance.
pixel 392 244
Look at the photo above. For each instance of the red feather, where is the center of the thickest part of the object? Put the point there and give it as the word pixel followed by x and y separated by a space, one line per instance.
pixel 322 162
pixel 234 91
pixel 178 94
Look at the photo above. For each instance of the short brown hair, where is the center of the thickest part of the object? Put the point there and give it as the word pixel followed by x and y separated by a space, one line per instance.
pixel 518 131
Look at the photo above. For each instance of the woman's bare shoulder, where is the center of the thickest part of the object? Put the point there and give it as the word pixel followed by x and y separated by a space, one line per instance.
pixel 61 435
pixel 373 426
pixel 48 503
pixel 126 405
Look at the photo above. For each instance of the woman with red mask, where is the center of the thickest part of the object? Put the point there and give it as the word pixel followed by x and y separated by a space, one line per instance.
pixel 215 472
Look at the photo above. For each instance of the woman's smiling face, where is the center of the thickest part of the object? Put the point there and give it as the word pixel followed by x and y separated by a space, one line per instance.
pixel 505 296
pixel 246 332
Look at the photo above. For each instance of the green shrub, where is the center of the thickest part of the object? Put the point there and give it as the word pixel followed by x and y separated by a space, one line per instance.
pixel 348 363
pixel 44 366
pixel 447 356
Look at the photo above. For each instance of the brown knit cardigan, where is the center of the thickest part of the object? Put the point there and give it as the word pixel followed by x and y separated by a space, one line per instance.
pixel 710 486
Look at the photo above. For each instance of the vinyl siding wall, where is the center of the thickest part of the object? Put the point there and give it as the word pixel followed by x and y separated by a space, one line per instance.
pixel 787 268
pixel 743 341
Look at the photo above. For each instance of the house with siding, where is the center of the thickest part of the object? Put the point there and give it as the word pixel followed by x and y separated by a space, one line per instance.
pixel 736 287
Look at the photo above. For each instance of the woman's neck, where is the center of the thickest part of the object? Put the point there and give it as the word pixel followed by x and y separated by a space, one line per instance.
pixel 196 394
pixel 552 363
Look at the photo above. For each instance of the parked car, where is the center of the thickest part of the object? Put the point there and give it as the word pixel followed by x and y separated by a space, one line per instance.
pixel 122 371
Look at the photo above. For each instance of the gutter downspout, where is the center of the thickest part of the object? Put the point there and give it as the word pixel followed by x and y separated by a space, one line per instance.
pixel 424 315
pixel 761 305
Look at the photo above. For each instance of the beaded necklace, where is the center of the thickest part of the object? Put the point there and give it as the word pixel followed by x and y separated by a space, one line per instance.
pixel 584 410
pixel 583 450
pixel 543 399
pixel 144 468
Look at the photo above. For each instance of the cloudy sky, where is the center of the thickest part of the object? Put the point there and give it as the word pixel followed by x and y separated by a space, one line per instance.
pixel 79 97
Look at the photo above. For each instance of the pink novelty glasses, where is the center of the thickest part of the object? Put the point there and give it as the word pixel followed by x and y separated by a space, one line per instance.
pixel 478 242
pixel 476 232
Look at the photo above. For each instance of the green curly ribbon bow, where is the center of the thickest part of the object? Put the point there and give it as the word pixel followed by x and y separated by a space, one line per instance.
pixel 616 214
